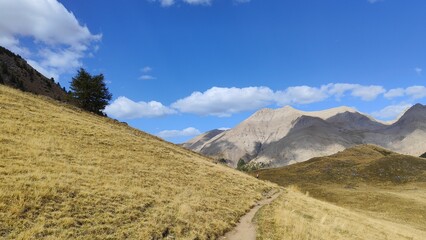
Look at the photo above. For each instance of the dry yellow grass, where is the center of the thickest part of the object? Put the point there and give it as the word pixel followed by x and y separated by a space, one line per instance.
pixel 67 174
pixel 295 215
pixel 364 192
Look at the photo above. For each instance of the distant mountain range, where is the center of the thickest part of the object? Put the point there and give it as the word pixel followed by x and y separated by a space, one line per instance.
pixel 17 73
pixel 273 138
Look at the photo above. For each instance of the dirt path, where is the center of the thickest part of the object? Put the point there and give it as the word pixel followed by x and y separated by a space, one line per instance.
pixel 246 229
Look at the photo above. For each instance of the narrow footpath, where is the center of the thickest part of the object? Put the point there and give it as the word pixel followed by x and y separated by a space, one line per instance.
pixel 246 229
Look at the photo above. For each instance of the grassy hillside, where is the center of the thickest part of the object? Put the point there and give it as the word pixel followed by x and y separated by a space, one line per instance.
pixel 66 174
pixel 361 164
pixel 295 215
pixel 368 180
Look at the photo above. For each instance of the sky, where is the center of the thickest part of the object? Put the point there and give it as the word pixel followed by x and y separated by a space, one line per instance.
pixel 177 68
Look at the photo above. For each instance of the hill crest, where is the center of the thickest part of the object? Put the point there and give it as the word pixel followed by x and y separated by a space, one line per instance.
pixel 17 73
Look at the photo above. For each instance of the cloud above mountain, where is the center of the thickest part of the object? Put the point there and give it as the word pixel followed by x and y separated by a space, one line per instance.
pixel 187 132
pixel 226 101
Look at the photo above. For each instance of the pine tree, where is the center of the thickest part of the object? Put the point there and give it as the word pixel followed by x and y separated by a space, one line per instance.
pixel 90 92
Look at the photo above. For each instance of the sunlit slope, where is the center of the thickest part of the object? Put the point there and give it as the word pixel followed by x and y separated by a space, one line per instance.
pixel 379 184
pixel 297 216
pixel 361 164
pixel 65 173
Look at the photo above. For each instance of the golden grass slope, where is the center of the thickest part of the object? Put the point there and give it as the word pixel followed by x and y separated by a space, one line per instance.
pixel 382 189
pixel 295 215
pixel 67 174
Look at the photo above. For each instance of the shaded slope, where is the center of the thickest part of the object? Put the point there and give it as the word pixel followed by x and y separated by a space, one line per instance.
pixel 198 142
pixel 65 173
pixel 310 136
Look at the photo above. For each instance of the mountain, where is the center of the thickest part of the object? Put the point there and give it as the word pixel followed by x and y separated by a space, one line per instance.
pixel 272 138
pixel 69 174
pixel 17 73
pixel 199 141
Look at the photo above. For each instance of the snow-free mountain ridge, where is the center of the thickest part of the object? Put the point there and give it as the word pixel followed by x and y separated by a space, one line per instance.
pixel 279 137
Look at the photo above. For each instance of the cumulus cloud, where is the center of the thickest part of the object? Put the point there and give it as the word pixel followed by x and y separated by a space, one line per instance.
pixel 300 95
pixel 393 93
pixel 62 41
pixel 125 108
pixel 366 93
pixel 224 102
pixel 414 92
pixel 187 132
pixel 392 112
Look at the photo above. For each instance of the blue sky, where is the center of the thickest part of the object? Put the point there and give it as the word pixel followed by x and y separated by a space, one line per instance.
pixel 178 68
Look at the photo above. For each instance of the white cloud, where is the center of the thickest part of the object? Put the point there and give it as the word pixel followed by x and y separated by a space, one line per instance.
pixel 224 102
pixel 146 69
pixel 367 93
pixel 374 1
pixel 146 77
pixel 414 92
pixel 391 112
pixel 300 95
pixel 125 108
pixel 187 132
pixel 56 31
pixel 393 93
pixel 418 71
